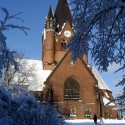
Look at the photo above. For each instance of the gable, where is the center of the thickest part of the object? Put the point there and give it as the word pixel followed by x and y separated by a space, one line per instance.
pixel 79 72
pixel 65 69
pixel 66 26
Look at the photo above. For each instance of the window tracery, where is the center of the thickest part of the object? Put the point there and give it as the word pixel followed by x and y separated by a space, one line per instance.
pixel 71 90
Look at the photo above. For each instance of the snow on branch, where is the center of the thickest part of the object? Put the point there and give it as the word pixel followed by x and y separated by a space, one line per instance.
pixel 101 24
pixel 100 28
pixel 7 57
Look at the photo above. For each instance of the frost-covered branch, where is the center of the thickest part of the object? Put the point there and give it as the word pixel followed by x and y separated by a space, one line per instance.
pixel 8 16
pixel 26 110
pixel 99 28
pixel 17 27
pixel 6 57
pixel 100 23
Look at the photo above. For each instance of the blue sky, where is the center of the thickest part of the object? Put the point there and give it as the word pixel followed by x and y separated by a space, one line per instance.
pixel 34 13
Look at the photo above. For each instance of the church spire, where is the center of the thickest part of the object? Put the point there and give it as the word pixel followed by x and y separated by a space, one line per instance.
pixel 50 14
pixel 62 14
pixel 50 20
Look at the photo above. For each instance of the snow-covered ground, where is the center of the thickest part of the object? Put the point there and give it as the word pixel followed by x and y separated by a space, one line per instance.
pixel 90 122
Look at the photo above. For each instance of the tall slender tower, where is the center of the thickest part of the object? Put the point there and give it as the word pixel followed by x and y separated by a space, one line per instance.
pixel 57 34
pixel 48 40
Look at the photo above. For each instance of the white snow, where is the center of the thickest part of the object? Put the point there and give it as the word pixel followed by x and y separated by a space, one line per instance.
pixel 41 74
pixel 63 26
pixel 105 100
pixel 101 83
pixel 91 122
pixel 62 29
pixel 107 95
pixel 44 34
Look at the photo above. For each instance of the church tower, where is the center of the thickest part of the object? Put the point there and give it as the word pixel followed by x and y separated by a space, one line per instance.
pixel 57 33
pixel 48 41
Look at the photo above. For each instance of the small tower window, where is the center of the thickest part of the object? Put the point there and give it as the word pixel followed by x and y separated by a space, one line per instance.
pixel 47 25
pixel 51 25
pixel 63 44
pixel 71 90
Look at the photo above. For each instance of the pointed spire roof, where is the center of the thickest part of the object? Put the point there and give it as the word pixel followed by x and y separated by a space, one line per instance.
pixel 62 14
pixel 50 14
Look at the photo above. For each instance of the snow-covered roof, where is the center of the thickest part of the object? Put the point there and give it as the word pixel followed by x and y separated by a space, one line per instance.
pixel 101 83
pixel 62 29
pixel 41 74
pixel 105 101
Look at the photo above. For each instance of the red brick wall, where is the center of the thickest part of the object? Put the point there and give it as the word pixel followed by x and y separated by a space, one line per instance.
pixel 88 94
pixel 86 81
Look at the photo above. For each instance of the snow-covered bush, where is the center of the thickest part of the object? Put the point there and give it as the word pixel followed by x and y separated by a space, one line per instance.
pixel 22 109
pixel 26 110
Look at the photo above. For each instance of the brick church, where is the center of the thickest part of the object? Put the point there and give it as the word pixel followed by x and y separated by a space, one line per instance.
pixel 74 87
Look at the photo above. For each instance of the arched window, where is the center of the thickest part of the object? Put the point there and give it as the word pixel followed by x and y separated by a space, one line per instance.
pixel 63 44
pixel 106 114
pixel 88 112
pixel 71 90
pixel 72 111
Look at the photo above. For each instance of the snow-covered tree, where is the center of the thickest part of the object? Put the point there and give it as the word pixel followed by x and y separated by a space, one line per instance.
pixel 25 75
pixel 23 109
pixel 6 57
pixel 99 27
pixel 120 102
